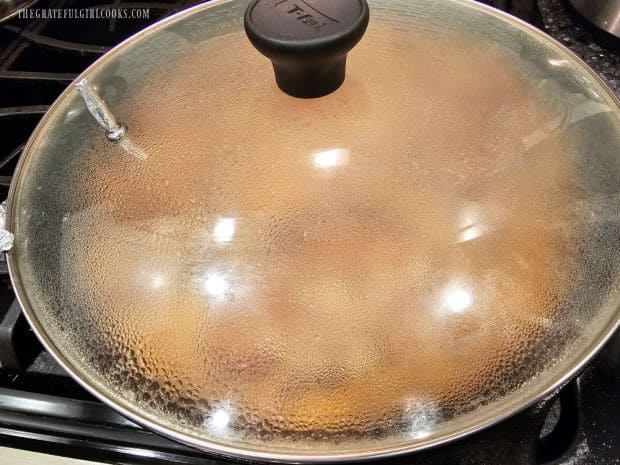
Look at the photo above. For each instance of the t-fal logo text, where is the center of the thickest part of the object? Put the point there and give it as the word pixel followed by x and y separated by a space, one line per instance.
pixel 306 14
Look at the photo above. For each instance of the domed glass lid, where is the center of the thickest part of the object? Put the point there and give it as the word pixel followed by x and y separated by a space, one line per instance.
pixel 422 251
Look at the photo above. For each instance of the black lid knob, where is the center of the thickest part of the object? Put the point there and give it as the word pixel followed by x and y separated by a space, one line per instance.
pixel 307 40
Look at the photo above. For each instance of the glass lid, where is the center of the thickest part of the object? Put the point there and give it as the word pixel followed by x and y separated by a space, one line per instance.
pixel 421 250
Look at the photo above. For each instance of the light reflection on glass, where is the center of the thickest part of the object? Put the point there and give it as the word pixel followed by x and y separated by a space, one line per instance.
pixel 456 298
pixel 331 158
pixel 470 233
pixel 132 149
pixel 151 279
pixel 470 225
pixel 224 230
pixel 421 434
pixel 215 285
pixel 560 63
pixel 423 415
pixel 158 280
pixel 218 421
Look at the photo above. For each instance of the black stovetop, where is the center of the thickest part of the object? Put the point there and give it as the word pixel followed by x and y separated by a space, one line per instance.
pixel 43 409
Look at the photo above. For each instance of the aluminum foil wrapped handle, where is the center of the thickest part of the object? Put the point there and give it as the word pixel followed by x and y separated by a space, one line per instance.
pixel 6 237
